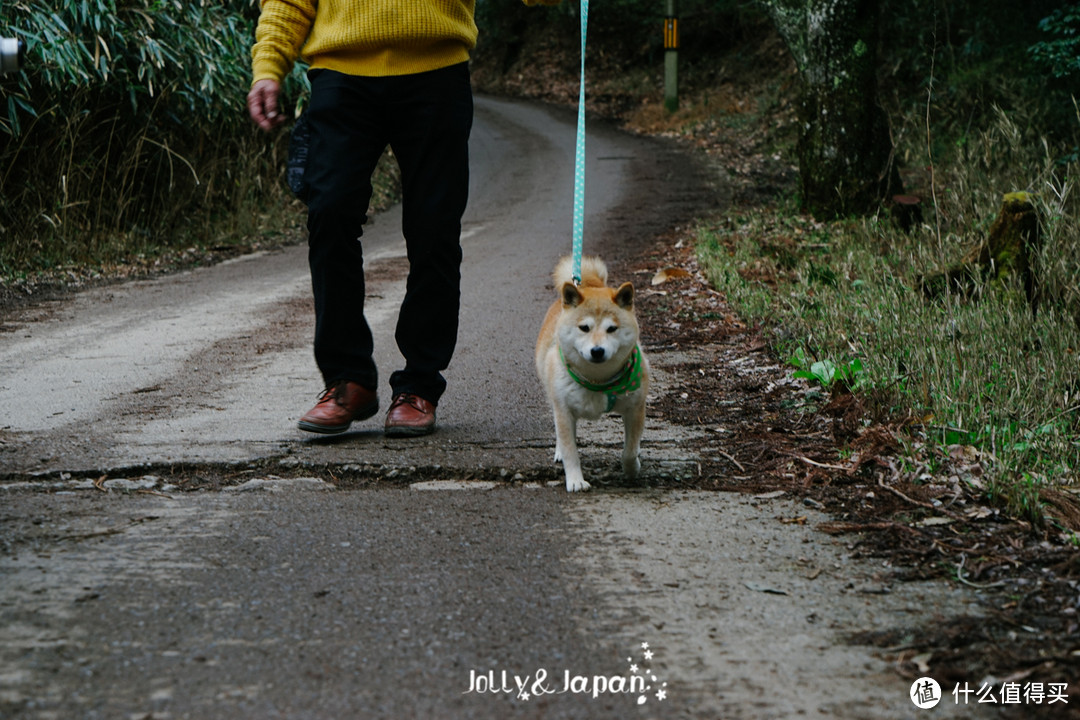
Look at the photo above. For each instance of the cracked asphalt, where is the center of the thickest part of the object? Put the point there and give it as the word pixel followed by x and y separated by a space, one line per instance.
pixel 455 579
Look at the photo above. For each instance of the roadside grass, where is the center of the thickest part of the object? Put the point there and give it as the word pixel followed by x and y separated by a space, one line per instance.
pixel 261 214
pixel 981 374
pixel 125 147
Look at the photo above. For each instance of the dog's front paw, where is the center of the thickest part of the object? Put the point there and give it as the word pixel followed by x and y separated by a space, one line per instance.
pixel 558 455
pixel 631 466
pixel 576 484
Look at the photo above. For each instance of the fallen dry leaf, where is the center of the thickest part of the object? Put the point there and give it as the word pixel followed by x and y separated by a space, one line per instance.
pixel 922 661
pixel 669 273
pixel 758 587
pixel 931 521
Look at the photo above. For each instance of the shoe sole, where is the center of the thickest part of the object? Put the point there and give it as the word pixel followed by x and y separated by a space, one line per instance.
pixel 408 430
pixel 362 414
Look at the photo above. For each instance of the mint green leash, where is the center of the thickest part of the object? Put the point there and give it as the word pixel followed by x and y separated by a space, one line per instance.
pixel 579 156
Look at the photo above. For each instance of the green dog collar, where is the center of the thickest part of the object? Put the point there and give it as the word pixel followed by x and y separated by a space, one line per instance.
pixel 625 381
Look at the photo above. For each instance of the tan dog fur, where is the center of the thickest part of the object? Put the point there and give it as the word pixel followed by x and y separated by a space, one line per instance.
pixel 596 329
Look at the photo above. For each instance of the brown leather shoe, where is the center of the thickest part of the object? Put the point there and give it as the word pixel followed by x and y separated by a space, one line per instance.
pixel 409 416
pixel 340 404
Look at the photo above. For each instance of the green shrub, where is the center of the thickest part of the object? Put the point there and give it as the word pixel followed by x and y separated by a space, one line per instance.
pixel 189 56
pixel 1061 52
pixel 127 129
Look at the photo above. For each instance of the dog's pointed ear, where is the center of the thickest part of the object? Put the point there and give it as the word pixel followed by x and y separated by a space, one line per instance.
pixel 571 296
pixel 624 296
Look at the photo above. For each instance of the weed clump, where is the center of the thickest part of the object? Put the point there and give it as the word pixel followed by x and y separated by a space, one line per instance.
pixel 125 134
pixel 973 366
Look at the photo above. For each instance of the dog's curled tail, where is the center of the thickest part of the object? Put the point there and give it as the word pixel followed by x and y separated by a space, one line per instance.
pixel 593 272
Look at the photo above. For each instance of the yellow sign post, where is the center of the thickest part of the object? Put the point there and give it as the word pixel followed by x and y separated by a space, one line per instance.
pixel 671 57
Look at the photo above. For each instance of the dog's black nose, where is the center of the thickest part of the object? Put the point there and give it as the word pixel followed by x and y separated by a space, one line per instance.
pixel 597 353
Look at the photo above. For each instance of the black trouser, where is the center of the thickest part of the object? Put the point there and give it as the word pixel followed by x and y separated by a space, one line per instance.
pixel 425 119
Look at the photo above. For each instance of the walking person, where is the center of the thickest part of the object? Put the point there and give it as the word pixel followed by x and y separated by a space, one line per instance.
pixel 383 73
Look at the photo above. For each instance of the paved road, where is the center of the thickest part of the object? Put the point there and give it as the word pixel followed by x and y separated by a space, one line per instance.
pixel 420 593
pixel 215 365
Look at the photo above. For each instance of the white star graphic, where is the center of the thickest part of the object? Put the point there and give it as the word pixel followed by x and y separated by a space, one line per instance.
pixel 648 654
pixel 634 669
pixel 525 696
pixel 644 646
pixel 661 694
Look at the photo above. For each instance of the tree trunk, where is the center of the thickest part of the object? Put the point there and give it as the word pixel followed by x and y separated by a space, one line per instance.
pixel 845 148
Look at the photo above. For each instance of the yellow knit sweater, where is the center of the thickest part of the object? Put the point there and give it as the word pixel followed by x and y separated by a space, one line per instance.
pixel 362 37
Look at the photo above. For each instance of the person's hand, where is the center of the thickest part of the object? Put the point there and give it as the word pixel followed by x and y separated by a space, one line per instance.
pixel 262 102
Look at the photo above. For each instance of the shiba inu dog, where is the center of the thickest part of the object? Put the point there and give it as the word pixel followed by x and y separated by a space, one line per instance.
pixel 590 362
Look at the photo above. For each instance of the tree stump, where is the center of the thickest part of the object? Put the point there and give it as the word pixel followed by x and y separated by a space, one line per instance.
pixel 1010 249
pixel 1014 243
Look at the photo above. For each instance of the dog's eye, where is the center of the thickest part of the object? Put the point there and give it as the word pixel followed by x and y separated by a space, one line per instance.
pixel 583 327
pixel 612 329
